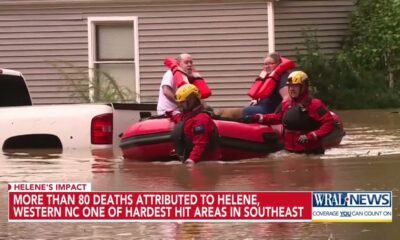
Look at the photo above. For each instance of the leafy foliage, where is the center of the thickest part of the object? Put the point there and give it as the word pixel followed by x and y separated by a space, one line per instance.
pixel 374 40
pixel 106 89
pixel 102 88
pixel 357 76
pixel 340 85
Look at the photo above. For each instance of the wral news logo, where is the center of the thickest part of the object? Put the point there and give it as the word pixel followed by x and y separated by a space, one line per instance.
pixel 352 206
pixel 352 199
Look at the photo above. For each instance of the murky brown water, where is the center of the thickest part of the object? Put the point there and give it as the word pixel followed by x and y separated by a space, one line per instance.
pixel 369 159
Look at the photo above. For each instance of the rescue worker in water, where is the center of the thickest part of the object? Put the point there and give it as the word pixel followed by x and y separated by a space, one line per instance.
pixel 305 119
pixel 195 135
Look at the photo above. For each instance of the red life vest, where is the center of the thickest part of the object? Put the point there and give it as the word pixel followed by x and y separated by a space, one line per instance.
pixel 265 83
pixel 183 135
pixel 181 78
pixel 297 121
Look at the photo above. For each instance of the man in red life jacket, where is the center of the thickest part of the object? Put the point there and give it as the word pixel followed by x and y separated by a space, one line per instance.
pixel 306 120
pixel 269 103
pixel 166 96
pixel 195 136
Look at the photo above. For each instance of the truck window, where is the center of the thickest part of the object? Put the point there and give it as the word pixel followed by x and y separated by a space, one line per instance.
pixel 13 91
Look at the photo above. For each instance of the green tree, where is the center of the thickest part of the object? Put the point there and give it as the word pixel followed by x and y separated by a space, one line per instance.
pixel 339 84
pixel 374 40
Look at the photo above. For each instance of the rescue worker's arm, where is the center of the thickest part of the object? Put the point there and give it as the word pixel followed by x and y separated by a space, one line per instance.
pixel 320 113
pixel 271 118
pixel 201 129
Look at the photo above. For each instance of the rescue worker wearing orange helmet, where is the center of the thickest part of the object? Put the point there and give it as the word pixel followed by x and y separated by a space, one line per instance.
pixel 195 136
pixel 305 119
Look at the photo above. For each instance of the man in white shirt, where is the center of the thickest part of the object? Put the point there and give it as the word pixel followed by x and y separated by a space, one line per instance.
pixel 166 95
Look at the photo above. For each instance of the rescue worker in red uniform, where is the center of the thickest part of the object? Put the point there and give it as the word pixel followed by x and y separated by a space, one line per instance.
pixel 195 136
pixel 305 119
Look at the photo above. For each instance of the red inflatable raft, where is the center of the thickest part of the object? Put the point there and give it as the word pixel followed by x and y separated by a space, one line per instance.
pixel 150 140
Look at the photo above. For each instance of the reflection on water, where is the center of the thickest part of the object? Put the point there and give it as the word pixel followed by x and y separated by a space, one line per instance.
pixel 368 159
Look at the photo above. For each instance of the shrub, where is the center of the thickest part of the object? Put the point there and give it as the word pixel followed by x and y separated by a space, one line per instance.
pixel 340 85
pixel 374 39
pixel 102 88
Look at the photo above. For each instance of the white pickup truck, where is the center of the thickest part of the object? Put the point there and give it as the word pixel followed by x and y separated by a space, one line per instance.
pixel 59 127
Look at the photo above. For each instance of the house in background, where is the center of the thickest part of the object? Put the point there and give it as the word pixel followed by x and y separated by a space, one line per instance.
pixel 128 39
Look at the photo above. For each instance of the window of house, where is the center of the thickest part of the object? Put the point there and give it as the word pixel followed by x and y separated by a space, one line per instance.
pixel 113 56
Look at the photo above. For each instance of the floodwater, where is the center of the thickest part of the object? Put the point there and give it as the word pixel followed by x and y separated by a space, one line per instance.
pixel 368 159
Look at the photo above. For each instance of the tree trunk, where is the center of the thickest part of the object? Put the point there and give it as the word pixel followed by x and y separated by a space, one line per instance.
pixel 388 61
pixel 391 80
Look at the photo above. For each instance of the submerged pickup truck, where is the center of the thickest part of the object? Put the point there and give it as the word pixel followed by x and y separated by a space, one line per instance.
pixel 62 126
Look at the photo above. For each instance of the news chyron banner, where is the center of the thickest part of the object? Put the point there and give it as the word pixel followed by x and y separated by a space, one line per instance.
pixel 352 207
pixel 75 202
